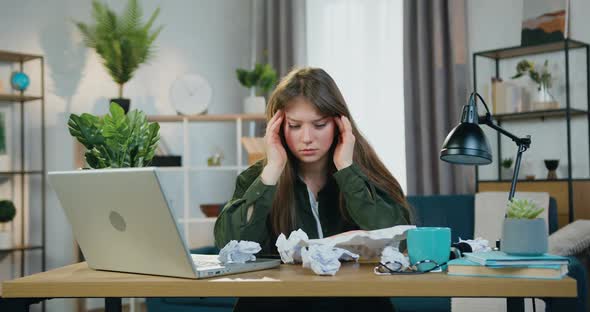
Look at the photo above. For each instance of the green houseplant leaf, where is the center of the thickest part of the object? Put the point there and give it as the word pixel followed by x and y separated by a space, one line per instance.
pixel 263 77
pixel 116 140
pixel 86 128
pixel 123 42
pixel 506 163
pixel 527 67
pixel 523 209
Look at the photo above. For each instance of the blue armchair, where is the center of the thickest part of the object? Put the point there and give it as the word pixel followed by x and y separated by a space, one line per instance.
pixel 454 211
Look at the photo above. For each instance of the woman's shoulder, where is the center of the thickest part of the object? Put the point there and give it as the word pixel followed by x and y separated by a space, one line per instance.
pixel 248 176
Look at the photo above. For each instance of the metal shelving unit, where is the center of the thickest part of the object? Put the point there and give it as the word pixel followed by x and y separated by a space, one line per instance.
pixel 21 101
pixel 567 113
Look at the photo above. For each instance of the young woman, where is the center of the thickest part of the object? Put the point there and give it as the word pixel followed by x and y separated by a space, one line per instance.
pixel 319 174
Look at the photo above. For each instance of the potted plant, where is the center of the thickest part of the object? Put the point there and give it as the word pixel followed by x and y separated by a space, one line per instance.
pixel 260 81
pixel 7 213
pixel 522 232
pixel 506 173
pixel 542 77
pixel 123 42
pixel 116 140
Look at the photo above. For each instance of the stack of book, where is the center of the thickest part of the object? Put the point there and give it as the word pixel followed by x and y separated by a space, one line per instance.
pixel 499 264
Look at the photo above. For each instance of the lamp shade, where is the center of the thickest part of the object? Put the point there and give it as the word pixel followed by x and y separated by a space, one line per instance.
pixel 466 144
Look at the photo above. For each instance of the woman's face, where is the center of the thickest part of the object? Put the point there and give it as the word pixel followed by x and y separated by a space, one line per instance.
pixel 308 133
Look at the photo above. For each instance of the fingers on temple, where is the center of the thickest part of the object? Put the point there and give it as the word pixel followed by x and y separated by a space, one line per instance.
pixel 343 123
pixel 338 122
pixel 346 123
pixel 274 125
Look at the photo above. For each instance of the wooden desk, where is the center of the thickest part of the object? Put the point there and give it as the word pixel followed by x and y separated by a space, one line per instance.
pixel 353 280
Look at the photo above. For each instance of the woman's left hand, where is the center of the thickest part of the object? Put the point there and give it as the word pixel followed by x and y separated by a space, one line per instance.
pixel 345 146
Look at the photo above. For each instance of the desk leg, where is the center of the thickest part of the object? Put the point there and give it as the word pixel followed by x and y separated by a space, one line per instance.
pixel 112 305
pixel 514 304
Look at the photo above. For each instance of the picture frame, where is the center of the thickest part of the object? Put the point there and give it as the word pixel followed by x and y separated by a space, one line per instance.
pixel 544 21
pixel 6 131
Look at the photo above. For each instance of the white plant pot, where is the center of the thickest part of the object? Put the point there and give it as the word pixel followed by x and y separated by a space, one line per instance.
pixel 506 173
pixel 5 240
pixel 254 105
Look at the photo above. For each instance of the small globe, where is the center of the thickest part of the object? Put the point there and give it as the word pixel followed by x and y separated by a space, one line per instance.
pixel 19 80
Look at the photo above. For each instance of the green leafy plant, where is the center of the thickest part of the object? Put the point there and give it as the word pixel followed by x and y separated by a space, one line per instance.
pixel 263 77
pixel 506 163
pixel 116 140
pixel 542 77
pixel 7 211
pixel 123 42
pixel 523 209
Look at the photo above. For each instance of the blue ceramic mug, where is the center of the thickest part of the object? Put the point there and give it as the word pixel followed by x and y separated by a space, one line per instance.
pixel 429 244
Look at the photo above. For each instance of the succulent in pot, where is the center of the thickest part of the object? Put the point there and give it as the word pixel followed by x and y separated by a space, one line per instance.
pixel 523 232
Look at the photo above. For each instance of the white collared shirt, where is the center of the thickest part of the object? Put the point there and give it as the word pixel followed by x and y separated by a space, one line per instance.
pixel 316 212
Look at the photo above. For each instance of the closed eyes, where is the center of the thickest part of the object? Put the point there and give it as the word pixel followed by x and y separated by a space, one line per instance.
pixel 317 126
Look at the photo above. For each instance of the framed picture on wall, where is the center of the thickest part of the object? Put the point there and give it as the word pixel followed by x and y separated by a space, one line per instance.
pixel 5 137
pixel 544 21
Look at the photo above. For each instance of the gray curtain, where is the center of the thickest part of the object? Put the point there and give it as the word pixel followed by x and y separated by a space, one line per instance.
pixel 436 86
pixel 280 37
pixel 281 33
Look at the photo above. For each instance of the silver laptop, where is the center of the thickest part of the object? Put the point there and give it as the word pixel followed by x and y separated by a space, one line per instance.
pixel 122 222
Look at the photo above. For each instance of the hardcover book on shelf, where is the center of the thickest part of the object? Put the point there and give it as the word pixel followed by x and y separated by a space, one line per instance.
pixel 501 259
pixel 464 267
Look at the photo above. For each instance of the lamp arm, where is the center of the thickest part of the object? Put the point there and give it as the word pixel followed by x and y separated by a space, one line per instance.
pixel 488 121
pixel 521 149
pixel 522 143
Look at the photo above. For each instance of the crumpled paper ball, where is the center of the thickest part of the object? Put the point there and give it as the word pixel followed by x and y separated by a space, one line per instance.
pixel 324 259
pixel 239 252
pixel 288 248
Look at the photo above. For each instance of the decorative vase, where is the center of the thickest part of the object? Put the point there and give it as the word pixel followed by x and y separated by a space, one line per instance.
pixel 5 240
pixel 551 165
pixel 524 237
pixel 211 210
pixel 124 103
pixel 254 105
pixel 543 99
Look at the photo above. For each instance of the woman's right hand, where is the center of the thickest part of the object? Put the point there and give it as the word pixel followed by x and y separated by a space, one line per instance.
pixel 276 155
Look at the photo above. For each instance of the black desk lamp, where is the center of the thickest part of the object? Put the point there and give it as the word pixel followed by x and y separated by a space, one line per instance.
pixel 466 144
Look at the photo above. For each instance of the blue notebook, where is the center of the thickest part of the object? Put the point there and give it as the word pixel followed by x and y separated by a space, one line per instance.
pixel 501 259
pixel 464 267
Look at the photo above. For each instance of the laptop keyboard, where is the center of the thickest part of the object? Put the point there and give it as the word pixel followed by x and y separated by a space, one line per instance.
pixel 205 260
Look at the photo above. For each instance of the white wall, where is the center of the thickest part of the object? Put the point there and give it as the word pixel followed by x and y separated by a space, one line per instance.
pixel 497 24
pixel 360 44
pixel 206 37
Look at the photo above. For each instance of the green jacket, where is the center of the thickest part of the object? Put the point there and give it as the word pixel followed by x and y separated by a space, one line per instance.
pixel 369 208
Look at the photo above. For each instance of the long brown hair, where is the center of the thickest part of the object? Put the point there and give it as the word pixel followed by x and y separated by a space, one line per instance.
pixel 320 89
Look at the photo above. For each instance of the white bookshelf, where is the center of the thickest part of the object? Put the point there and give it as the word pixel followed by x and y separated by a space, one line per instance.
pixel 199 230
